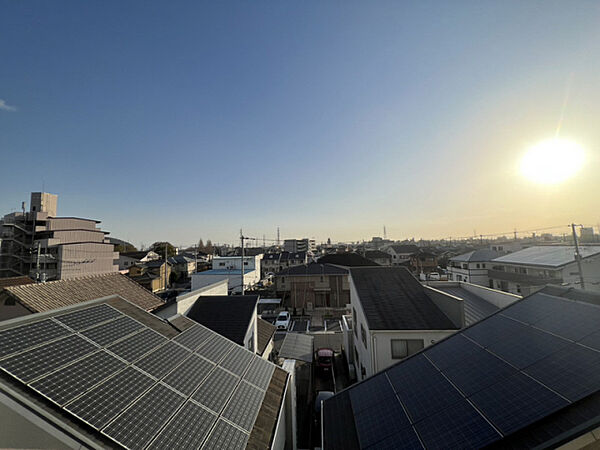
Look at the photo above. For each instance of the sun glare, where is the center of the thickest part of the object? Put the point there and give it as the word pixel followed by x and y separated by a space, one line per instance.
pixel 552 161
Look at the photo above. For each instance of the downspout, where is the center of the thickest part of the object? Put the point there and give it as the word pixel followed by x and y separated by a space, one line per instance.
pixel 373 353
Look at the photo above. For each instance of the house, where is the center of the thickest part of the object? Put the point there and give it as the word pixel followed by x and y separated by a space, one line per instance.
pixel 183 266
pixel 154 275
pixel 401 254
pixel 472 267
pixel 46 247
pixel 528 270
pixel 313 286
pixel 128 259
pixel 346 259
pixel 300 245
pixel 231 316
pixel 233 277
pixel 276 262
pixel 424 262
pixel 106 374
pixel 393 317
pixel 379 257
pixel 524 377
pixel 27 299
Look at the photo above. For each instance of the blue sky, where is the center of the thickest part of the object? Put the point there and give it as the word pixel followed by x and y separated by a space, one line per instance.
pixel 181 120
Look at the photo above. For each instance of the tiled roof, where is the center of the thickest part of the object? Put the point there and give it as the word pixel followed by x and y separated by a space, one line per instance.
pixel 481 255
pixel 265 332
pixel 347 259
pixel 57 294
pixel 15 281
pixel 313 269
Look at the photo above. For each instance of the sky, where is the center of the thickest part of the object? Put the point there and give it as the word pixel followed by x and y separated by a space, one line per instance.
pixel 328 119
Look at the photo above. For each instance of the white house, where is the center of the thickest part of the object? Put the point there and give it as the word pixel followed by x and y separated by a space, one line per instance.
pixel 128 259
pixel 393 317
pixel 472 267
pixel 401 254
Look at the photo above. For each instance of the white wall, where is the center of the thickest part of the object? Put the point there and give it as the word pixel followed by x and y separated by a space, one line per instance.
pixel 495 297
pixel 291 443
pixel 234 262
pixel 184 302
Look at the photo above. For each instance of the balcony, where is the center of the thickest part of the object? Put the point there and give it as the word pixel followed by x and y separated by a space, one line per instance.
pixel 522 278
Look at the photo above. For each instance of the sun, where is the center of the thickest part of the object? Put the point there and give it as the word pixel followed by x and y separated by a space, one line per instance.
pixel 552 161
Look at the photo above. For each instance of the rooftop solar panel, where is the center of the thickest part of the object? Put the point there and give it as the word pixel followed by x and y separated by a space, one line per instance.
pixel 587 318
pixel 98 406
pixel 193 337
pixel 215 348
pixel 112 331
pixel 460 426
pixel 592 340
pixel 452 351
pixel 137 425
pixel 376 392
pixel 496 328
pixel 260 372
pixel 243 407
pixel 189 374
pixel 226 437
pixel 406 439
pixel 216 389
pixel 34 363
pixel 134 347
pixel 20 338
pixel 70 381
pixel 523 401
pixel 85 318
pixel 187 429
pixel 537 307
pixel 377 423
pixel 237 360
pixel 162 360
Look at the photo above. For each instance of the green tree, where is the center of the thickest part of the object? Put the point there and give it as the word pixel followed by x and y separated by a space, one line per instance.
pixel 159 247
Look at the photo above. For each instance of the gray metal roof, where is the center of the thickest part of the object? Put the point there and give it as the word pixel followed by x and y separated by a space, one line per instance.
pixel 297 346
pixel 548 256
pixel 476 308
pixel 481 255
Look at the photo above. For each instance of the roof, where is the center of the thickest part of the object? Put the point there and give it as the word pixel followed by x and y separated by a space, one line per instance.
pixel 228 315
pixel 347 259
pixel 136 254
pixel 313 269
pixel 481 255
pixel 223 272
pixel 523 376
pixel 97 369
pixel 476 308
pixel 265 332
pixel 297 346
pixel 377 254
pixel 15 281
pixel 548 256
pixel 392 299
pixel 408 248
pixel 57 294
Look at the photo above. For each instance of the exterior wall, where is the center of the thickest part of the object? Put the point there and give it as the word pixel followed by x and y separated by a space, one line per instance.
pixel 471 272
pixel 125 262
pixel 202 279
pixel 302 291
pixel 76 260
pixel 8 311
pixel 291 442
pixel 185 301
pixel 70 223
pixel 251 338
pixel 233 262
pixel 450 305
pixel 44 202
pixel 495 297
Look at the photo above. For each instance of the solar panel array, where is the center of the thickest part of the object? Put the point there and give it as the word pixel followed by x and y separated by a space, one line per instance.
pixel 486 382
pixel 137 387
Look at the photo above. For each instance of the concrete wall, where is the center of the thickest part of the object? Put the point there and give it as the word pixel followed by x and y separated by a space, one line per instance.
pixel 251 337
pixel 184 302
pixel 452 306
pixel 495 297
pixel 291 443
pixel 8 311
pixel 76 260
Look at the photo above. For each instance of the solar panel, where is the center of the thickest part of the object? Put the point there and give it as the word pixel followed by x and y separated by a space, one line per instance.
pixel 377 391
pixel 524 346
pixel 136 427
pixel 460 426
pixel 15 340
pixel 574 322
pixel 70 381
pixel 226 437
pixel 34 363
pixel 187 429
pixel 524 401
pixel 112 331
pixel 216 389
pixel 452 351
pixel 592 340
pixel 85 318
pixel 137 345
pixel 162 360
pixel 493 329
pixel 380 421
pixel 189 374
pixel 416 376
pixel 193 337
pixel 237 360
pixel 406 439
pixel 482 369
pixel 537 307
pixel 573 372
pixel 244 405
pixel 260 373
pixel 98 406
pixel 215 348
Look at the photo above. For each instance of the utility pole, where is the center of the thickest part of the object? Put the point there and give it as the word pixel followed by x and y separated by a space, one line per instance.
pixel 196 269
pixel 242 265
pixel 578 255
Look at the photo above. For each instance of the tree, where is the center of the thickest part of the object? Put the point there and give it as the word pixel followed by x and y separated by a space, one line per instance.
pixel 201 245
pixel 159 247
pixel 122 248
pixel 209 247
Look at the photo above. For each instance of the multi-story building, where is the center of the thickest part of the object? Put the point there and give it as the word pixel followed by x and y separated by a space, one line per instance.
pixel 472 267
pixel 276 262
pixel 230 267
pixel 529 270
pixel 46 247
pixel 300 245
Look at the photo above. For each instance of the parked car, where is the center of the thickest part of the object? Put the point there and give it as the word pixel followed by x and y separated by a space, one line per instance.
pixel 324 359
pixel 434 276
pixel 283 321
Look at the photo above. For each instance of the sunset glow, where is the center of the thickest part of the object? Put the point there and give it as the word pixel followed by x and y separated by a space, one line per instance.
pixel 552 161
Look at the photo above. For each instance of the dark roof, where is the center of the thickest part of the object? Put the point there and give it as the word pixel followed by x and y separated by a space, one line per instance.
pixel 136 254
pixel 155 263
pixel 15 281
pixel 313 269
pixel 284 256
pixel 393 299
pixel 408 248
pixel 525 377
pixel 481 255
pixel 89 374
pixel 377 254
pixel 228 315
pixel 264 333
pixel 347 259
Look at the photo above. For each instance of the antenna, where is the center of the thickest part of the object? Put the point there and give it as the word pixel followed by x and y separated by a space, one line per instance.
pixel 278 237
pixel 384 233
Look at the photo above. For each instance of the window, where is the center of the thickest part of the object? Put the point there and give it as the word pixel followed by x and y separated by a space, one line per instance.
pixel 519 288
pixel 478 265
pixel 401 348
pixel 283 279
pixel 245 263
pixel 221 264
pixel 321 278
pixel 363 335
pixel 483 266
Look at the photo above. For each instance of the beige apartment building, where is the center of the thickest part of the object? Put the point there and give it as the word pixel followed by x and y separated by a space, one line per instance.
pixel 45 247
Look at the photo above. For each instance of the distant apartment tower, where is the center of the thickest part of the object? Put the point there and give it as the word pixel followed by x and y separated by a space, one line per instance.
pixel 46 247
pixel 299 245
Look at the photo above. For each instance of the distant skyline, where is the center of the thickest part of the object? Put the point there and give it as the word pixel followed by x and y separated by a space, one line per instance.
pixel 327 119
